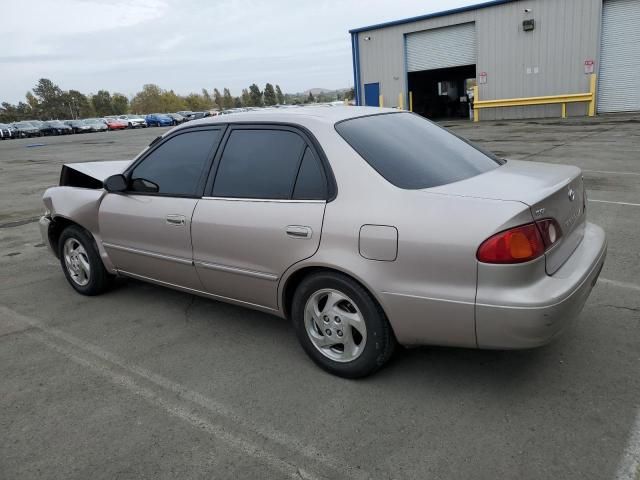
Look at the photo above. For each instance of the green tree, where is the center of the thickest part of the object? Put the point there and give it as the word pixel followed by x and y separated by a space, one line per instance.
pixel 149 100
pixel 256 95
pixel 269 95
pixel 77 105
pixel 217 99
pixel 207 98
pixel 171 102
pixel 237 102
pixel 196 102
pixel 350 94
pixel 101 102
pixel 227 99
pixel 246 98
pixel 279 95
pixel 49 98
pixel 119 104
pixel 310 98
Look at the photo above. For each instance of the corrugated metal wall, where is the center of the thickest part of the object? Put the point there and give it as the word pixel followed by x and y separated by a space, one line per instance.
pixel 619 83
pixel 567 33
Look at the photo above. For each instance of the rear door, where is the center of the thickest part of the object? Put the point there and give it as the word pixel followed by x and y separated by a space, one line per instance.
pixel 147 230
pixel 263 212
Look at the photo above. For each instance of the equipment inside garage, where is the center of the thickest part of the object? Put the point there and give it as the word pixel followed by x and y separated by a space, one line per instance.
pixel 442 93
pixel 440 69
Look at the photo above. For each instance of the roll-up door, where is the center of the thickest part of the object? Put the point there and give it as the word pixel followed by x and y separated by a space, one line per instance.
pixel 441 47
pixel 619 82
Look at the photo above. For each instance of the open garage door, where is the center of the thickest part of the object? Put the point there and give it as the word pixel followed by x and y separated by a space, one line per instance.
pixel 619 82
pixel 441 64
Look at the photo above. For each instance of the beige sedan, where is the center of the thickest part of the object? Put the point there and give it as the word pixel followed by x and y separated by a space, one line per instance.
pixel 366 227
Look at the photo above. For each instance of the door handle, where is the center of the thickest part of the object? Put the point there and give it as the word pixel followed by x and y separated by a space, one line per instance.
pixel 299 231
pixel 175 219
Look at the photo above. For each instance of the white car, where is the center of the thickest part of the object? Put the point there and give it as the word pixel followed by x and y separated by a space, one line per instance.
pixel 133 121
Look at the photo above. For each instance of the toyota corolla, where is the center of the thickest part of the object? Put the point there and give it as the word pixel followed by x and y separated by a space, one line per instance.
pixel 365 227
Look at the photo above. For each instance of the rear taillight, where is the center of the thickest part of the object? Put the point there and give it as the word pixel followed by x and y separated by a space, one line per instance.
pixel 520 244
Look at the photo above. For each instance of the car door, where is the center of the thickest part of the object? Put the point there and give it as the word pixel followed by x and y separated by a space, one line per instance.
pixel 263 212
pixel 146 230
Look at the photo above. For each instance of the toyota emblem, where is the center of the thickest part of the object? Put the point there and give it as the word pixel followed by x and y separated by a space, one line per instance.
pixel 572 195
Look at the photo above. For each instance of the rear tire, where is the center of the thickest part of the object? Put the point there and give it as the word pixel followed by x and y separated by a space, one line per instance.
pixel 340 326
pixel 81 262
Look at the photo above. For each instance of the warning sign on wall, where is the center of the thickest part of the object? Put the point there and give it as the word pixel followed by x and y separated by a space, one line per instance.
pixel 589 66
pixel 482 78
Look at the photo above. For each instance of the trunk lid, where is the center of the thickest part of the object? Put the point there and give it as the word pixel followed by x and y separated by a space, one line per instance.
pixel 549 190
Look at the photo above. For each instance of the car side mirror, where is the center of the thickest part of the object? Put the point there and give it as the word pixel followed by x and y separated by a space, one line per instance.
pixel 144 186
pixel 115 183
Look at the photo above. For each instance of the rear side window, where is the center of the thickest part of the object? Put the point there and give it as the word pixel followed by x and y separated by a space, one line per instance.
pixel 411 152
pixel 311 183
pixel 176 166
pixel 259 164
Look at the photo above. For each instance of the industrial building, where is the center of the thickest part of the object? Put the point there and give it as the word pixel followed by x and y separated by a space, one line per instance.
pixel 546 58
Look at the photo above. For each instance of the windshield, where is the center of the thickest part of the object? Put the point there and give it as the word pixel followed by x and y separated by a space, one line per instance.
pixel 411 152
pixel 54 123
pixel 23 125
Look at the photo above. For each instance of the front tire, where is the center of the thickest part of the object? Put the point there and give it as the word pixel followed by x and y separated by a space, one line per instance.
pixel 340 326
pixel 81 262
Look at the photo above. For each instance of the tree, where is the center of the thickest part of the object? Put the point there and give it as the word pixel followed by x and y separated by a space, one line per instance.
pixel 237 103
pixel 279 95
pixel 119 104
pixel 269 95
pixel 256 95
pixel 171 102
pixel 217 99
pixel 310 98
pixel 246 98
pixel 49 98
pixel 149 100
pixel 227 99
pixel 206 97
pixel 101 102
pixel 77 105
pixel 196 102
pixel 350 94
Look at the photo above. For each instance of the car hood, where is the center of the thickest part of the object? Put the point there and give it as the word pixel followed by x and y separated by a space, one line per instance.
pixel 100 170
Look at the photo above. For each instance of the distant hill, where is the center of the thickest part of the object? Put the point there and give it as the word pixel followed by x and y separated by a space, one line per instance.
pixel 318 91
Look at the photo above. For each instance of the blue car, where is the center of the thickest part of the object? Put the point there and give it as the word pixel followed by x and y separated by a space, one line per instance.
pixel 158 120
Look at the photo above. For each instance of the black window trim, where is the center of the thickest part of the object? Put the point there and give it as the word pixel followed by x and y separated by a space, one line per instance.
pixel 310 142
pixel 222 127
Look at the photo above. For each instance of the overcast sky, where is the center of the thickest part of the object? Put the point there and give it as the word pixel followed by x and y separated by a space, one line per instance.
pixel 186 45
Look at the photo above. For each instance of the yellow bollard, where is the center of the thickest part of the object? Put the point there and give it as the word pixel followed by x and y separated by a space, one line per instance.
pixel 592 90
pixel 400 103
pixel 475 99
pixel 381 101
pixel 564 110
pixel 411 101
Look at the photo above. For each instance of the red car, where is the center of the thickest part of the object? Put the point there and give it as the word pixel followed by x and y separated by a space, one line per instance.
pixel 115 124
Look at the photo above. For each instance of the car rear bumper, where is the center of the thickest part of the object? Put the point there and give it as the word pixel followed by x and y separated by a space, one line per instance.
pixel 532 314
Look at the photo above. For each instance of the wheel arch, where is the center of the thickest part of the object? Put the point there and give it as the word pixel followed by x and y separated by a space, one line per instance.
pixel 293 279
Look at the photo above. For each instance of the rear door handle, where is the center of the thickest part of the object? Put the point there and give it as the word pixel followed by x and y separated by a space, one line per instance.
pixel 299 231
pixel 175 219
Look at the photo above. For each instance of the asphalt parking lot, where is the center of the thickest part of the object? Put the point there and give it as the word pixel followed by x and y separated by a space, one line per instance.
pixel 145 382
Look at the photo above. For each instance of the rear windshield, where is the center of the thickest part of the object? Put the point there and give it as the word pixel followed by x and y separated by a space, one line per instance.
pixel 411 152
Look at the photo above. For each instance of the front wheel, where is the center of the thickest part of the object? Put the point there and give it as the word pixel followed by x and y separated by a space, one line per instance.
pixel 81 262
pixel 340 326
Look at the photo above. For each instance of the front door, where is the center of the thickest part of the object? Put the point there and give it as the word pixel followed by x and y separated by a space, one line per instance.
pixel 147 230
pixel 263 214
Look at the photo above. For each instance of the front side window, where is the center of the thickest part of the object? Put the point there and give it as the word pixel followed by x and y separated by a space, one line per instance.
pixel 176 166
pixel 413 153
pixel 259 164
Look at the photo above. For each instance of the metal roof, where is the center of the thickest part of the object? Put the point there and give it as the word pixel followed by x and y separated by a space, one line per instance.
pixel 477 6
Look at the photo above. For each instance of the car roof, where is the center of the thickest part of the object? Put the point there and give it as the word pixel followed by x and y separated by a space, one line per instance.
pixel 323 113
